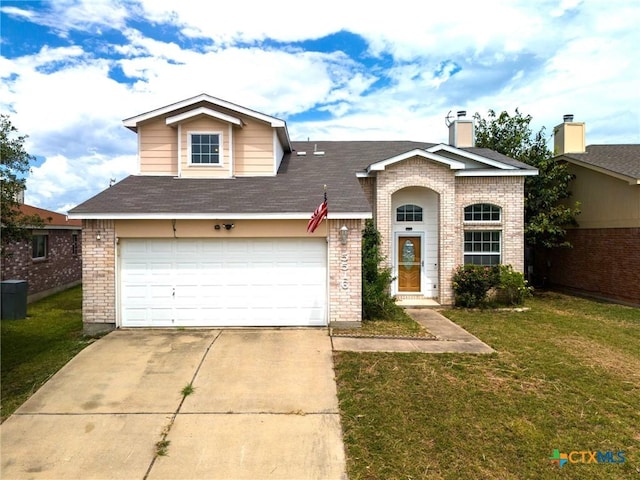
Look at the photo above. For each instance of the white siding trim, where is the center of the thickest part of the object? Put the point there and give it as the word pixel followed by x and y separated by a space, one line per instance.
pixel 221 163
pixel 230 133
pixel 179 151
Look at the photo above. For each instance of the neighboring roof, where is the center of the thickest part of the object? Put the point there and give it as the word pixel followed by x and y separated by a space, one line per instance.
pixel 621 161
pixel 203 99
pixel 294 192
pixel 50 219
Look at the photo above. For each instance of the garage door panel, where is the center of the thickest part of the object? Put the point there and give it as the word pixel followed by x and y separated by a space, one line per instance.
pixel 223 282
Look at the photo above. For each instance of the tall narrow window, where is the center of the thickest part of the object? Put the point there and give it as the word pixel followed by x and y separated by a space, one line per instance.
pixel 482 247
pixel 74 244
pixel 39 247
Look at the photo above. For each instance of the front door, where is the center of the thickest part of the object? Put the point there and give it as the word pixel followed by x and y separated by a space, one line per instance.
pixel 409 264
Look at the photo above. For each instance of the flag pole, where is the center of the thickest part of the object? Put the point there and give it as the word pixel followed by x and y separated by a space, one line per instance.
pixel 326 229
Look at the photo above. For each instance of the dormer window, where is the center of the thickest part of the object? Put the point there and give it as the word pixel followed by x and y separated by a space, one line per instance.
pixel 205 148
pixel 409 213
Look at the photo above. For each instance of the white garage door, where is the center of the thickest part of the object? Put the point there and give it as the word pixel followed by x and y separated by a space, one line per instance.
pixel 223 282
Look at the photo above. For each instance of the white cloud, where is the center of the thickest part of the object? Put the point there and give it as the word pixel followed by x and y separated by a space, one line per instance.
pixel 548 58
pixel 61 182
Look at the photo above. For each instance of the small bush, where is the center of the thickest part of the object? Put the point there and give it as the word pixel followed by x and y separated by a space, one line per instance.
pixel 472 283
pixel 512 287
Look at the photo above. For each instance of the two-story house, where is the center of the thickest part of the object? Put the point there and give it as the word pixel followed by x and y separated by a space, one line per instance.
pixel 212 231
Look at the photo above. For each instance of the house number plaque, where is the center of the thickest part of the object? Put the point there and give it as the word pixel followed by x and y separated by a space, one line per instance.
pixel 344 266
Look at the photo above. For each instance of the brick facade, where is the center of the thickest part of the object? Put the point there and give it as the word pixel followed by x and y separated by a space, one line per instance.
pixel 454 193
pixel 344 261
pixel 604 262
pixel 508 194
pixel 345 274
pixel 61 269
pixel 99 275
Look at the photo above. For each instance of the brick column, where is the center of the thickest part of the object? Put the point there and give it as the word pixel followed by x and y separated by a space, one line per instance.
pixel 98 276
pixel 345 274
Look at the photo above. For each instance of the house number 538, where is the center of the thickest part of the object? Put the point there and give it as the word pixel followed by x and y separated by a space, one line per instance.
pixel 344 266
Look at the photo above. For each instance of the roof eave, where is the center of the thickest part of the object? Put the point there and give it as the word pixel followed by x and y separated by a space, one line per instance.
pixel 482 172
pixel 132 122
pixel 620 176
pixel 215 216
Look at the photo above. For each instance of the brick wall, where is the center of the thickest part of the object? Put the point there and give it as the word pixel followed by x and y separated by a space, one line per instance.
pixel 61 268
pixel 508 194
pixel 604 262
pixel 99 275
pixel 454 194
pixel 416 172
pixel 345 273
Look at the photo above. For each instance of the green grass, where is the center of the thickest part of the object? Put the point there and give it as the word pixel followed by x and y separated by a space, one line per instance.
pixel 401 325
pixel 566 376
pixel 35 348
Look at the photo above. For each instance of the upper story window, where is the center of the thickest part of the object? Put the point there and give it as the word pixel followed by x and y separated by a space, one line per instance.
pixel 204 148
pixel 409 213
pixel 39 247
pixel 482 212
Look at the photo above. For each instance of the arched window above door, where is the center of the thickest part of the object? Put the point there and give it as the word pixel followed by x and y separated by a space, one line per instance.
pixel 409 213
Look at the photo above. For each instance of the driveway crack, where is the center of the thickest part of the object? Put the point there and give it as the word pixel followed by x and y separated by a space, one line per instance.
pixel 162 445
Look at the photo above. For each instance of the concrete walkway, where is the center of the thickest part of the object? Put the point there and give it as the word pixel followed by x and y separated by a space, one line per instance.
pixel 450 338
pixel 264 407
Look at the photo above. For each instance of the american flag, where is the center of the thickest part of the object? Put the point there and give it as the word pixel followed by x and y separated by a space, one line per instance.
pixel 319 214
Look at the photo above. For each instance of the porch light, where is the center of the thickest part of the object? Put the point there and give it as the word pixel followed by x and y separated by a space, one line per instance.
pixel 98 236
pixel 344 235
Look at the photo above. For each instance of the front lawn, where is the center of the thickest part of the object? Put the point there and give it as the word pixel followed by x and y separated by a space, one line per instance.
pixel 566 377
pixel 35 348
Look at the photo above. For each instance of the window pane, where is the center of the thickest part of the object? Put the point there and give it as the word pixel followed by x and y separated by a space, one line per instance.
pixel 482 247
pixel 409 213
pixel 482 212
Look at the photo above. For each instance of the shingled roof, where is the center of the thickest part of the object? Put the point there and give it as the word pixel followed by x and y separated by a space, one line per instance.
pixel 617 159
pixel 294 192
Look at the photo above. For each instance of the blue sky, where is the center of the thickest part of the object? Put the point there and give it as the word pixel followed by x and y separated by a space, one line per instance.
pixel 73 69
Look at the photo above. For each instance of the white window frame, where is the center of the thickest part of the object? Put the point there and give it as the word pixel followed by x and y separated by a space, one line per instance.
pixel 493 222
pixel 466 253
pixel 220 150
pixel 416 208
pixel 483 226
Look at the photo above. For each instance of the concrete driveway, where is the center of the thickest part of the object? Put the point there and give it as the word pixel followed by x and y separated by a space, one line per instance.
pixel 264 406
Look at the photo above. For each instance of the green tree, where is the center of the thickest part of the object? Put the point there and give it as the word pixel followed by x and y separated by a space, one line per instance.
pixel 14 165
pixel 546 215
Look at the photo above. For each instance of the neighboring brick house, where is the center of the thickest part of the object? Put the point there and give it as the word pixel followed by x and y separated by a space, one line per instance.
pixel 605 259
pixel 51 261
pixel 213 229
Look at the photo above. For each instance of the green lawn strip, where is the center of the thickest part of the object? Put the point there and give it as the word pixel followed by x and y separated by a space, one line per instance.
pixel 500 416
pixel 401 325
pixel 35 348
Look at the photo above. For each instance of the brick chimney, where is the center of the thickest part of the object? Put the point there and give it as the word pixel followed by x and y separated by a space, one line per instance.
pixel 462 132
pixel 569 136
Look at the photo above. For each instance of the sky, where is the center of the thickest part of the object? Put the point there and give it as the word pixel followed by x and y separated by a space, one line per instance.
pixel 72 70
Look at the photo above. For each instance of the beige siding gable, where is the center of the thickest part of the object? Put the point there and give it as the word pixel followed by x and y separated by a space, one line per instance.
pixel 250 150
pixel 158 146
pixel 205 124
pixel 254 147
